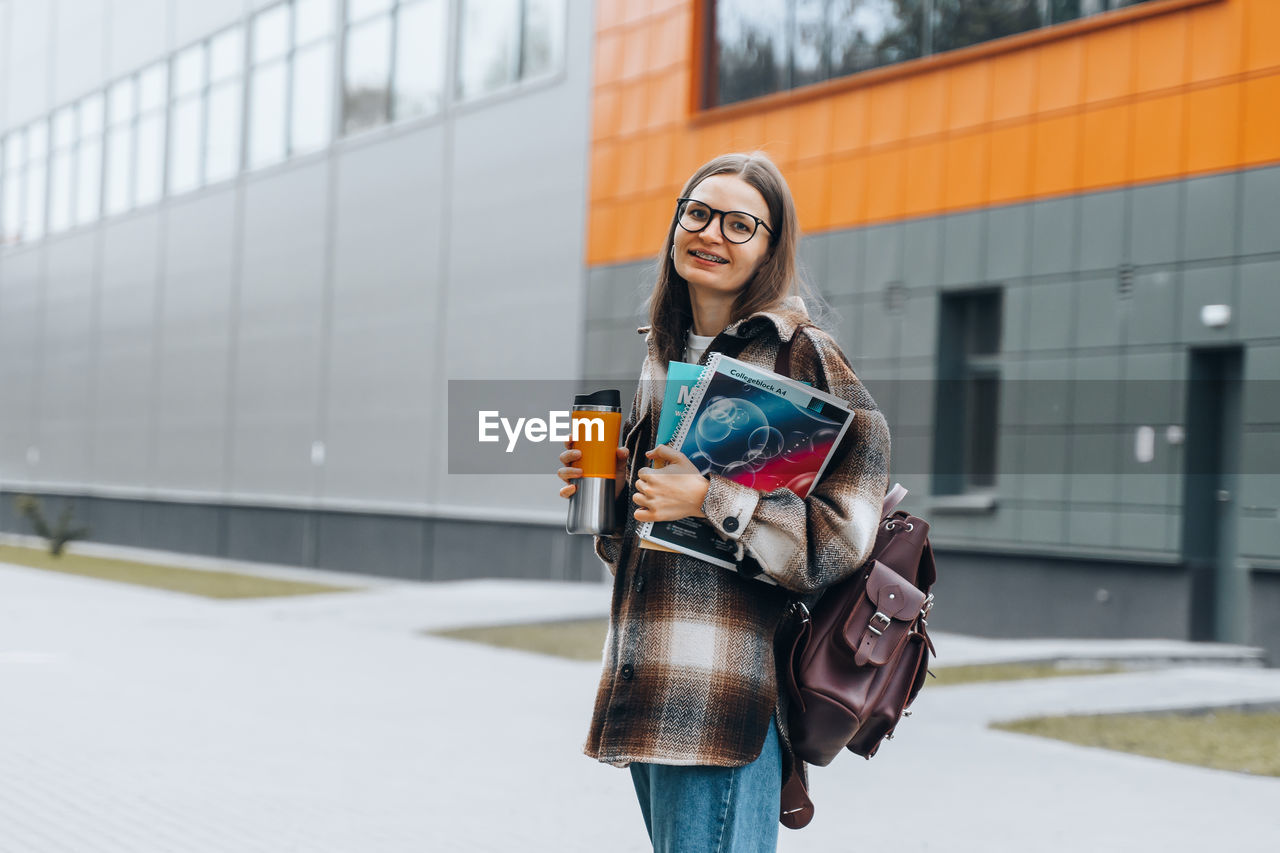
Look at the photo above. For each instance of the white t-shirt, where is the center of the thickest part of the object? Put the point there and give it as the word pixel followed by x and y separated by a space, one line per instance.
pixel 696 346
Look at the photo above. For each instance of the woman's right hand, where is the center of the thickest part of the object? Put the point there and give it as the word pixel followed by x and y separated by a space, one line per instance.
pixel 568 472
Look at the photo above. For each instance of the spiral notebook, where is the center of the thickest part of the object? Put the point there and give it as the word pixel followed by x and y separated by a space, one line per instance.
pixel 758 429
pixel 681 379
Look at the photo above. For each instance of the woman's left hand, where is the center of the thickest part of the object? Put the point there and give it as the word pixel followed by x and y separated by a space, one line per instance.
pixel 671 492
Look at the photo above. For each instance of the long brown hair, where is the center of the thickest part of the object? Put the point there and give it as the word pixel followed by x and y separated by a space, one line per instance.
pixel 670 309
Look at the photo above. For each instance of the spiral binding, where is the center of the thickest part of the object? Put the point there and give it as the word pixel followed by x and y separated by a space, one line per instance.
pixel 686 417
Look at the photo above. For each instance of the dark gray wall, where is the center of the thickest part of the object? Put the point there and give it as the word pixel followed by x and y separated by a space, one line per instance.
pixel 1101 308
pixel 1084 361
pixel 384 545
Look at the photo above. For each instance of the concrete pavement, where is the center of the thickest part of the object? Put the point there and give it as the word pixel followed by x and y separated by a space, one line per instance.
pixel 140 720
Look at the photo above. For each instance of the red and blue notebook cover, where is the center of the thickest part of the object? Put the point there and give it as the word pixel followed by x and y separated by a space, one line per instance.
pixel 757 429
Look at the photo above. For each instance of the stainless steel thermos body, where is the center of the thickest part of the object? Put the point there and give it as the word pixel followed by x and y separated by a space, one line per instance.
pixel 597 422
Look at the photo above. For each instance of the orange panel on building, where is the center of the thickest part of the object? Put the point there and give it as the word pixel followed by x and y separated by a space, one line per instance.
pixel 1163 90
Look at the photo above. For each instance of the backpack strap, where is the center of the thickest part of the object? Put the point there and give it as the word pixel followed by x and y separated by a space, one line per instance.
pixel 891 500
pixel 795 807
pixel 729 345
pixel 782 364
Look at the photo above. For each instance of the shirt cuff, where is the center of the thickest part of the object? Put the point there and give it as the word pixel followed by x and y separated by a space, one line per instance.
pixel 729 506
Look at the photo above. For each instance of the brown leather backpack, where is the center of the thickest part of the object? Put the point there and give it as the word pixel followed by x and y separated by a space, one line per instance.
pixel 855 664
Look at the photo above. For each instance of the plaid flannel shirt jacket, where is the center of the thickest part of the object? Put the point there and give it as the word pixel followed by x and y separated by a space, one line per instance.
pixel 688 672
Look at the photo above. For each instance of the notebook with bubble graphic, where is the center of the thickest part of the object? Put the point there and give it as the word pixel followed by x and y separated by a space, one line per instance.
pixel 758 429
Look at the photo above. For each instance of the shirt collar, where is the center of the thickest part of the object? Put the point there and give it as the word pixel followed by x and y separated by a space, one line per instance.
pixel 784 319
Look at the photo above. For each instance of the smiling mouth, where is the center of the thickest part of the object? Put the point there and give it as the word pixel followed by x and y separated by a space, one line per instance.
pixel 707 256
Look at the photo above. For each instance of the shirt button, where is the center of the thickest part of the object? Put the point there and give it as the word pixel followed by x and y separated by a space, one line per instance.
pixel 731 524
pixel 626 672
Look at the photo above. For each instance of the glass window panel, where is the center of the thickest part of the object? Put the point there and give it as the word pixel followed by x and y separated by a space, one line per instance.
pixel 88 180
pixel 15 151
pixel 91 109
pixel 13 184
pixel 366 77
pixel 1068 10
pixel 982 408
pixel 271 34
pixel 420 58
pixel 12 232
pixel 360 9
pixel 151 87
pixel 122 103
pixel 226 54
pixel 150 159
pixel 222 147
pixel 489 50
pixel 312 103
pixel 119 169
pixel 188 71
pixel 312 19
pixel 266 118
pixel 543 36
pixel 808 42
pixel 960 23
pixel 37 141
pixel 188 138
pixel 751 49
pixel 33 227
pixel 60 191
pixel 870 33
pixel 64 127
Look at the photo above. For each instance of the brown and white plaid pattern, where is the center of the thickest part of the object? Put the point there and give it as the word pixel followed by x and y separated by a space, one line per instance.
pixel 688 668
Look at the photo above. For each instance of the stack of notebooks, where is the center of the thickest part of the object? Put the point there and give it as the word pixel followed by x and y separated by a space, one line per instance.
pixel 748 425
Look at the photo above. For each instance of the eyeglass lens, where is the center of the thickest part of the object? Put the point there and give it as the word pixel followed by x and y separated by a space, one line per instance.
pixel 737 227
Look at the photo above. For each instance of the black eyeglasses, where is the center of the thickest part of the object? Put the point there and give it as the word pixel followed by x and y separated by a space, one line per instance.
pixel 737 226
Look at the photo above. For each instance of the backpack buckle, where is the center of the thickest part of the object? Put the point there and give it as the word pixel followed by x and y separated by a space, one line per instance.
pixel 924 611
pixel 884 620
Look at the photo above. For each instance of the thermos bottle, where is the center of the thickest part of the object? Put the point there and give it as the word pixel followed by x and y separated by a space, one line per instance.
pixel 592 506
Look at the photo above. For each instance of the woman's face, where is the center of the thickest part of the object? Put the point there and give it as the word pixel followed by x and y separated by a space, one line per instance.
pixel 734 263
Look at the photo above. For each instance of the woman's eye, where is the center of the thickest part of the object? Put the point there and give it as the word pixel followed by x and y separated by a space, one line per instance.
pixel 740 226
pixel 698 213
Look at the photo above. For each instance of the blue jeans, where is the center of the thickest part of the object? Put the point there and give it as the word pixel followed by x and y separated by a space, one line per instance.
pixel 713 809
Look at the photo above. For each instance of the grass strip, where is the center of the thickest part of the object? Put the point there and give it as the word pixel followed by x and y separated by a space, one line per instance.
pixel 1243 741
pixel 948 676
pixel 583 639
pixel 210 584
pixel 575 639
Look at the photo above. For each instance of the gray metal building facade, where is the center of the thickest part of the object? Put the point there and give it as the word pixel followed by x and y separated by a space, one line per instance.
pixel 257 368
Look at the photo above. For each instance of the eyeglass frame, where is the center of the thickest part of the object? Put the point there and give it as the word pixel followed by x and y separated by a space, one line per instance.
pixel 760 223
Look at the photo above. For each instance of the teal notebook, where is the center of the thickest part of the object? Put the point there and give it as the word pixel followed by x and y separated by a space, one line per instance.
pixel 681 378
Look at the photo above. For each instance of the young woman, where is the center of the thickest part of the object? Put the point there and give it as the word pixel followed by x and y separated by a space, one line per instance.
pixel 688 696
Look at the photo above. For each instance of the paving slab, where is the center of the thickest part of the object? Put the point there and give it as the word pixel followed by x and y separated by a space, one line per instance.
pixel 141 720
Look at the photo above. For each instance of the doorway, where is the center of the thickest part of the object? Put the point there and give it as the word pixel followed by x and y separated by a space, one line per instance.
pixel 1209 495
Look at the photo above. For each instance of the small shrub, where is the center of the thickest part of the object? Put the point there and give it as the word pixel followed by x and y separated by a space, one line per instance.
pixel 59 534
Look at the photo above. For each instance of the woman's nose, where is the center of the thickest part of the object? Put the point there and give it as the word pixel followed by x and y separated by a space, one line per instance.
pixel 717 220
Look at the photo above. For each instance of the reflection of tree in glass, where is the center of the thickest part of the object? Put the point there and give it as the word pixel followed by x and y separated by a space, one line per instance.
pixel 537 52
pixel 809 43
pixel 749 68
pixel 959 23
pixel 364 106
pixel 870 33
